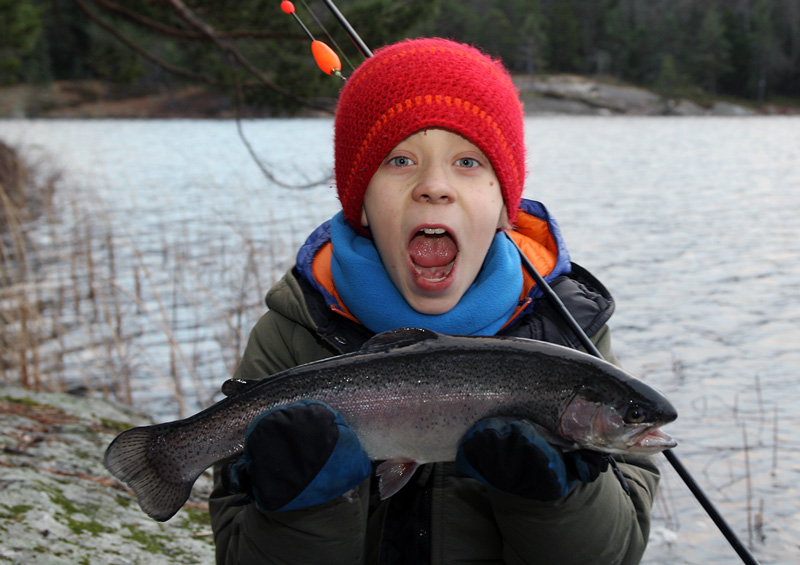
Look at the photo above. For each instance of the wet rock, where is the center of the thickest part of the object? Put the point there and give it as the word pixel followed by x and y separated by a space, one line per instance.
pixel 573 94
pixel 59 504
pixel 684 108
pixel 728 109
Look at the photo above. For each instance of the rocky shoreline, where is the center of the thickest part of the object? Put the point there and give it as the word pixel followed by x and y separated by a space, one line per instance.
pixel 572 94
pixel 60 506
pixel 553 94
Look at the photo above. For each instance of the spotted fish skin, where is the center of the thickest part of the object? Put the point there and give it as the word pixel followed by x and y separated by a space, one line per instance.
pixel 410 395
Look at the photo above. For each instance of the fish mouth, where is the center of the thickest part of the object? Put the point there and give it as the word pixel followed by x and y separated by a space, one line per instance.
pixel 649 439
pixel 432 252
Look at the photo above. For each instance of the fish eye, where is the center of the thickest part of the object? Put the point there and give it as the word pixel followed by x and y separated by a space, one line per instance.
pixel 635 414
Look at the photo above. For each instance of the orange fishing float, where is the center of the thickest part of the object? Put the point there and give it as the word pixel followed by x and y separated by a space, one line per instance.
pixel 327 60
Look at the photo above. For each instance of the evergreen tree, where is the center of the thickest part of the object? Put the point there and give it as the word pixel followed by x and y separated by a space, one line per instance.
pixel 20 27
pixel 617 36
pixel 712 52
pixel 531 45
pixel 670 83
pixel 565 53
pixel 746 48
pixel 768 59
pixel 737 36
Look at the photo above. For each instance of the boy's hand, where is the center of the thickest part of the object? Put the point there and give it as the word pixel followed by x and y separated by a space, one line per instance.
pixel 511 456
pixel 297 456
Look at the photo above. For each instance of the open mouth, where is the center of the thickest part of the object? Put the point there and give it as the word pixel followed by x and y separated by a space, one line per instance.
pixel 433 252
pixel 652 439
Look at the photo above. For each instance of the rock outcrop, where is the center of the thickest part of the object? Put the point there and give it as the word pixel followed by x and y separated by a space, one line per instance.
pixel 572 94
pixel 59 505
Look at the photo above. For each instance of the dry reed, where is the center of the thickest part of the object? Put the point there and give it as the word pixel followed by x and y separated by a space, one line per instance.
pixel 87 307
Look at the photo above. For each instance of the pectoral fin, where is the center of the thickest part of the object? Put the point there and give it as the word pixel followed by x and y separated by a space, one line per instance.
pixel 393 475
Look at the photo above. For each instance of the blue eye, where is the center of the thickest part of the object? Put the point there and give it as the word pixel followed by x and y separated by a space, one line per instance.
pixel 400 161
pixel 468 163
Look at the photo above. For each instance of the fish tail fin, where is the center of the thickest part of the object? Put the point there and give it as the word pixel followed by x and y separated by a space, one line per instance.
pixel 160 492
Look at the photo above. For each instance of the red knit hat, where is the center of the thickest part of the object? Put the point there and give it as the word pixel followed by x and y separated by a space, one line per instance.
pixel 425 83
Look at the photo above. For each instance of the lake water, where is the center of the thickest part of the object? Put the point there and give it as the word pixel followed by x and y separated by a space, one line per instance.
pixel 690 222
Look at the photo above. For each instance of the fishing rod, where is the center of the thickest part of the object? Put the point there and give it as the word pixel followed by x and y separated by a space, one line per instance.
pixel 348 28
pixel 744 554
pixel 682 471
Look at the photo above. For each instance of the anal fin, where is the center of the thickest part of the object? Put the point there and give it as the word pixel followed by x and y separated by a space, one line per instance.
pixel 393 475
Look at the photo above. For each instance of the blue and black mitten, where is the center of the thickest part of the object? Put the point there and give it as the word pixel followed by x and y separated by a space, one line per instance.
pixel 297 456
pixel 510 455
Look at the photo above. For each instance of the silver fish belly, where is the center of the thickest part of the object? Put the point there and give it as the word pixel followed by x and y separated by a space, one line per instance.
pixel 410 395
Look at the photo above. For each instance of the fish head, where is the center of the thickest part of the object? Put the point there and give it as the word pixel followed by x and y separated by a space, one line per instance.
pixel 618 423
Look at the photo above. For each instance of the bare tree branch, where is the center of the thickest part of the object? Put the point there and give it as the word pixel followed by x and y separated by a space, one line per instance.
pixel 266 172
pixel 152 58
pixel 139 19
pixel 228 47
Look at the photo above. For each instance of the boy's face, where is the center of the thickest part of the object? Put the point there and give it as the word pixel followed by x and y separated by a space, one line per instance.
pixel 433 207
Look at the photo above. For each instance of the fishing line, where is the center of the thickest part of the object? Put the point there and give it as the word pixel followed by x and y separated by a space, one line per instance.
pixel 683 473
pixel 249 147
pixel 328 34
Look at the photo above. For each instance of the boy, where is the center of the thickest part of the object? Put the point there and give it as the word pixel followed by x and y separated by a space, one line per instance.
pixel 430 169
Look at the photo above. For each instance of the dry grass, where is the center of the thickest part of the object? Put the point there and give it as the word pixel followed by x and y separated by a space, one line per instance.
pixel 23 198
pixel 87 308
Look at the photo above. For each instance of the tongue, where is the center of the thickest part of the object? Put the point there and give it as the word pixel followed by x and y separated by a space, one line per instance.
pixel 432 250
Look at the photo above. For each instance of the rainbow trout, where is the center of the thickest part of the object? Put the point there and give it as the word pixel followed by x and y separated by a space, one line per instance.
pixel 410 395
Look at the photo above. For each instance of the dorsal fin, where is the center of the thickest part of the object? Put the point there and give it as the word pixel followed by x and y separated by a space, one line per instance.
pixel 232 387
pixel 401 337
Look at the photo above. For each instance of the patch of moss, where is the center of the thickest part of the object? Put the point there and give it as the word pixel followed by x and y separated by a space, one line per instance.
pixel 25 400
pixel 152 543
pixel 84 455
pixel 196 517
pixel 70 509
pixel 93 527
pixel 58 498
pixel 14 512
pixel 114 426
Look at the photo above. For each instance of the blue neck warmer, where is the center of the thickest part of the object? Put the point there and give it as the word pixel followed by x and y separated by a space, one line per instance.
pixel 369 294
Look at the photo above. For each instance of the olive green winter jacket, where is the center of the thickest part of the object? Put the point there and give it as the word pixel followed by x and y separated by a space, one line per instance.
pixel 440 516
pixel 467 522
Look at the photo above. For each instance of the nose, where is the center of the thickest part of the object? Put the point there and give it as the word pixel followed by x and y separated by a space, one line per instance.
pixel 434 187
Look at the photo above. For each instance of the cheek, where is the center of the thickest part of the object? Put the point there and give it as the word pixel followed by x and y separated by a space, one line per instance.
pixel 578 420
pixel 502 221
pixel 492 196
pixel 386 236
pixel 491 213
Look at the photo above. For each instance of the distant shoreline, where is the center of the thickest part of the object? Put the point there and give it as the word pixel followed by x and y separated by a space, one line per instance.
pixel 550 94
